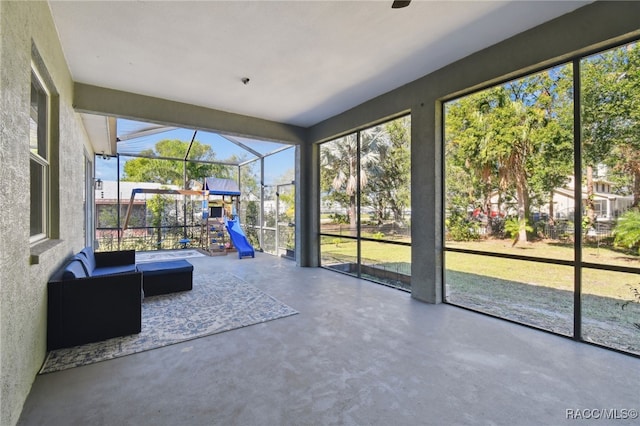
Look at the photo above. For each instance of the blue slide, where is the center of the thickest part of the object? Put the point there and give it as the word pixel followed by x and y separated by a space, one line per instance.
pixel 239 240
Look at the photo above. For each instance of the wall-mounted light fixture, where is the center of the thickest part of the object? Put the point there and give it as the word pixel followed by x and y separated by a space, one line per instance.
pixel 98 184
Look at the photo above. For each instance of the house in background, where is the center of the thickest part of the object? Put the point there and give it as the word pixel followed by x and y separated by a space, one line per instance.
pixel 608 206
pixel 110 195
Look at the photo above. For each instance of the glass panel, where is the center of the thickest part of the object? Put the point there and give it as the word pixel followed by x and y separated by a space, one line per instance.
pixel 38 145
pixel 155 221
pixel 260 146
pixel 338 186
pixel 374 177
pixel 269 220
pixel 157 156
pixel 220 148
pixel 280 168
pixel 139 138
pixel 509 167
pixel 38 118
pixel 33 122
pixel 509 189
pixel 340 254
pixel 136 137
pixel 386 263
pixel 269 239
pixel 171 172
pixel 37 198
pixel 512 289
pixel 286 220
pixel 611 309
pixel 610 89
pixel 106 208
pixel 250 201
pixel 385 169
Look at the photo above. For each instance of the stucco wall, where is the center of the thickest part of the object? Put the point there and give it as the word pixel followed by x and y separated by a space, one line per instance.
pixel 23 288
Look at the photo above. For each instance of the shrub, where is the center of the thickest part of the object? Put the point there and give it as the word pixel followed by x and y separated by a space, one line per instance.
pixel 627 230
pixel 512 228
pixel 339 218
pixel 459 229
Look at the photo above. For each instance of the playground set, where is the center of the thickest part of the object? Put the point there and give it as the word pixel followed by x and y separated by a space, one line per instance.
pixel 220 229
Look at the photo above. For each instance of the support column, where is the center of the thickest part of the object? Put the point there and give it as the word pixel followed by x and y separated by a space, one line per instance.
pixel 426 203
pixel 307 205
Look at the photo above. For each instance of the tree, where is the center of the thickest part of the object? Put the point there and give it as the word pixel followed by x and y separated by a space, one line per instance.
pixel 171 172
pixel 390 176
pixel 339 162
pixel 554 164
pixel 512 228
pixel 502 136
pixel 252 220
pixel 287 196
pixel 157 206
pixel 611 118
pixel 249 180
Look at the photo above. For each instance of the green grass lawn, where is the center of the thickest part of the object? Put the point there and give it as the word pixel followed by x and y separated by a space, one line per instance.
pixel 600 283
pixel 596 282
pixel 384 253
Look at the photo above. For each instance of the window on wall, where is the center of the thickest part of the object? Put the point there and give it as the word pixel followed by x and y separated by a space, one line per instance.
pixel 365 218
pixel 539 199
pixel 39 158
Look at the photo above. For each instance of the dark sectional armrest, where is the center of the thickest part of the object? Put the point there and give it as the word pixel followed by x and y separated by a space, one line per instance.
pixel 115 258
pixel 93 309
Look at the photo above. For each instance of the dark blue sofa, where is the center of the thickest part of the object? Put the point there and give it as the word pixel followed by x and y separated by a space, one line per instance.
pixel 95 296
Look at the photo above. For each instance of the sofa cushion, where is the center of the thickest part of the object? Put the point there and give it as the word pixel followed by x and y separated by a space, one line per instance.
pixel 159 268
pixel 91 259
pixel 110 270
pixel 74 269
pixel 85 263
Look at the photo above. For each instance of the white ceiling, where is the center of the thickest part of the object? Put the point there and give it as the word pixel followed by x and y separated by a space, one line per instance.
pixel 306 60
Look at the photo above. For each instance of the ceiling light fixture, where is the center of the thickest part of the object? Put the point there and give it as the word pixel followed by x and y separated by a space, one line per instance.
pixel 245 80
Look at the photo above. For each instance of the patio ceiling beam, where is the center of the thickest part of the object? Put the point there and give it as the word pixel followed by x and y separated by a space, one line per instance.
pixel 101 100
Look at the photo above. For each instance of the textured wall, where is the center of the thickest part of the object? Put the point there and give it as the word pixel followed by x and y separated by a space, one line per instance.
pixel 23 286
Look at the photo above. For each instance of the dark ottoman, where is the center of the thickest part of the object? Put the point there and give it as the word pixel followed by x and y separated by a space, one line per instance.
pixel 166 277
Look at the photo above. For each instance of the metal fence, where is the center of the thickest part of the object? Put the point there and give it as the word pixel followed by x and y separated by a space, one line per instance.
pixel 388 231
pixel 149 238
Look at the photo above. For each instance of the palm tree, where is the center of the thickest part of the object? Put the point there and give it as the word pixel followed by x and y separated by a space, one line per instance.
pixel 340 159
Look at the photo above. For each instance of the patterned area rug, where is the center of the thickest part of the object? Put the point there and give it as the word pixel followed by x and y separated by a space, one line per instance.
pixel 217 303
pixel 160 255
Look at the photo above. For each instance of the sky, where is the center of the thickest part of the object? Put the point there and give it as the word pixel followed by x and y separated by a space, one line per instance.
pixel 276 165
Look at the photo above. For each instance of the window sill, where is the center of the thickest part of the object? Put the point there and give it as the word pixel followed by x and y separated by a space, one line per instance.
pixel 39 248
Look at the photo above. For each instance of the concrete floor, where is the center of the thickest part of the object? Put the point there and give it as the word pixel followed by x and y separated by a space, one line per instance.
pixel 357 354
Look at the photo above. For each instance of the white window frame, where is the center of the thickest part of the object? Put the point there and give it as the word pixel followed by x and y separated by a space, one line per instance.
pixel 36 158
